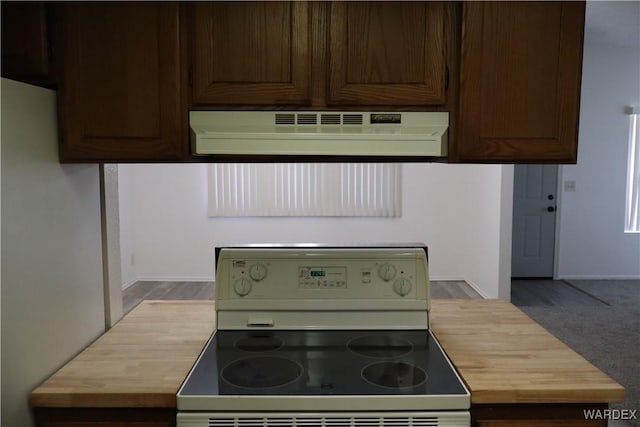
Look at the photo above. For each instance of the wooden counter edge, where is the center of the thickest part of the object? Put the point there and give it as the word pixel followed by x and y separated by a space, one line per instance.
pixel 102 400
pixel 610 394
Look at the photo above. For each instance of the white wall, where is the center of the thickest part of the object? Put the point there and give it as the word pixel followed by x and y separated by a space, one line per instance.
pixel 592 242
pixel 454 209
pixel 52 284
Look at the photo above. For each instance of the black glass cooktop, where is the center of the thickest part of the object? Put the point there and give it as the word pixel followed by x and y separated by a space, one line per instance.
pixel 322 363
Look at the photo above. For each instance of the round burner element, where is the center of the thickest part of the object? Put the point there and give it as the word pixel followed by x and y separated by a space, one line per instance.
pixel 261 372
pixel 259 341
pixel 394 374
pixel 380 346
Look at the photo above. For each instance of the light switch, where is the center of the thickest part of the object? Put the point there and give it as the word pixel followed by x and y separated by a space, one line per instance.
pixel 569 186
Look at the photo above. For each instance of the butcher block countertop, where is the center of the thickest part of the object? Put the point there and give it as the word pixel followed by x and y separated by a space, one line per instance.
pixel 503 356
pixel 140 362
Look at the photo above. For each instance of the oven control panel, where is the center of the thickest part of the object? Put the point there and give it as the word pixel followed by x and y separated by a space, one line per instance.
pixel 322 274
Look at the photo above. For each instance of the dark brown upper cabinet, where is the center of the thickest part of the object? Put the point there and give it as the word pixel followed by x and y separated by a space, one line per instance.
pixel 25 42
pixel 252 53
pixel 318 54
pixel 520 80
pixel 508 73
pixel 386 53
pixel 120 84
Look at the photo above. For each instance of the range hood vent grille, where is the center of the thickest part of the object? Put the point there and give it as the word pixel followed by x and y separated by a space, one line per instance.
pixel 307 119
pixel 334 119
pixel 285 119
pixel 330 119
pixel 352 119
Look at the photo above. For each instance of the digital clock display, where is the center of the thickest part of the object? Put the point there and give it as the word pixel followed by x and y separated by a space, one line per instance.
pixel 322 277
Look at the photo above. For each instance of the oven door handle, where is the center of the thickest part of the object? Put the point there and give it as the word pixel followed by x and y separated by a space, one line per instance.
pixel 263 322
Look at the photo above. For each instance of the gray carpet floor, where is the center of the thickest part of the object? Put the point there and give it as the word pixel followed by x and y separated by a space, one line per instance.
pixel 613 292
pixel 607 334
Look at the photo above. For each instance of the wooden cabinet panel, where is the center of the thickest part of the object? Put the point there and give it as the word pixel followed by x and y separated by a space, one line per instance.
pixel 536 415
pixel 120 96
pixel 520 81
pixel 250 52
pixel 25 42
pixel 387 53
pixel 105 417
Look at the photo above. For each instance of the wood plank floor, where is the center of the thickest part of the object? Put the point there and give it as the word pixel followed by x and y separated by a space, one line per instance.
pixel 524 292
pixel 140 291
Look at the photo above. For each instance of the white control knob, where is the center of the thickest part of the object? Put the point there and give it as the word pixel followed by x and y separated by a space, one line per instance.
pixel 242 286
pixel 402 286
pixel 387 271
pixel 258 271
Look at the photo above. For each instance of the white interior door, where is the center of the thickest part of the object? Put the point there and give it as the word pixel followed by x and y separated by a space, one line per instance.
pixel 534 220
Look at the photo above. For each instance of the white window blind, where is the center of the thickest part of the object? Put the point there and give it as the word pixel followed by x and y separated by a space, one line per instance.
pixel 632 208
pixel 305 189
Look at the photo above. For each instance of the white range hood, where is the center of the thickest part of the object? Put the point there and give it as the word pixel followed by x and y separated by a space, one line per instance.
pixel 323 133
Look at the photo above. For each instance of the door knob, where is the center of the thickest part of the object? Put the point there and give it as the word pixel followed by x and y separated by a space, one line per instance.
pixel 551 209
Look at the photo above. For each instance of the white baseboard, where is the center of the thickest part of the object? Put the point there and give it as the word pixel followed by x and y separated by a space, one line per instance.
pixel 174 279
pixel 128 284
pixel 447 279
pixel 476 288
pixel 473 286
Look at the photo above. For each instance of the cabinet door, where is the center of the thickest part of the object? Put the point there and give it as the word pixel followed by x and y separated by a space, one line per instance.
pixel 520 81
pixel 250 52
pixel 25 42
pixel 386 53
pixel 119 97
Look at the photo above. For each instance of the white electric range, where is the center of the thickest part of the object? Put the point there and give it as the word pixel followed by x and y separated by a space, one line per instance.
pixel 323 336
